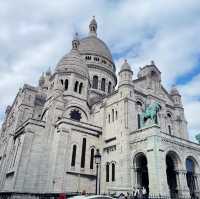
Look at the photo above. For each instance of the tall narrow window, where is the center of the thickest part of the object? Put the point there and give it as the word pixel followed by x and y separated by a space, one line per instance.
pixel 113 113
pixel 83 153
pixel 109 87
pixel 73 162
pixel 138 119
pixel 109 118
pixel 113 172
pixel 66 84
pixel 92 159
pixel 76 86
pixel 80 87
pixel 169 129
pixel 61 81
pixel 103 84
pixel 107 172
pixel 116 115
pixel 95 82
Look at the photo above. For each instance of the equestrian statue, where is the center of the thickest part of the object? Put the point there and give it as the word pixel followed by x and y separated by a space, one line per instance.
pixel 150 112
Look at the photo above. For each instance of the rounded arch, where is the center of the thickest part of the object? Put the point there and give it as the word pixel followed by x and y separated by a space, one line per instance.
pixel 140 104
pixel 195 162
pixel 141 170
pixel 191 165
pixel 175 157
pixel 44 113
pixel 84 115
pixel 139 156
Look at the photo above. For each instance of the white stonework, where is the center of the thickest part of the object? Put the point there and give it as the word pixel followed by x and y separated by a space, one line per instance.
pixel 80 100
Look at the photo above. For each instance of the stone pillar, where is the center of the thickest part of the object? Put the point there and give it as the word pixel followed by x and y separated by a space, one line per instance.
pixel 157 170
pixel 135 178
pixel 197 183
pixel 183 189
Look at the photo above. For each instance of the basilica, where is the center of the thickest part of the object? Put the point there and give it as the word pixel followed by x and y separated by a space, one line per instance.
pixel 51 132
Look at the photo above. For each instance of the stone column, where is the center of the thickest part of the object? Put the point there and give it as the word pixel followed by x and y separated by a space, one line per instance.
pixel 135 178
pixel 197 183
pixel 183 189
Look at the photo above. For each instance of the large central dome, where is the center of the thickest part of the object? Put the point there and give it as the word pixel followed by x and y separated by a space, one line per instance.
pixel 93 45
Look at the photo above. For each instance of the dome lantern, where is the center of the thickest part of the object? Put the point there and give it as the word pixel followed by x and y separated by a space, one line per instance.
pixel 75 42
pixel 93 27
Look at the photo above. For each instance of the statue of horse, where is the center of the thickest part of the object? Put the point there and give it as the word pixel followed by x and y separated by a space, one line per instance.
pixel 198 138
pixel 150 112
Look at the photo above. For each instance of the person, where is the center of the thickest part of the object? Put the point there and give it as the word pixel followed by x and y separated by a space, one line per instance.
pixel 144 193
pixel 121 196
pixel 128 195
pixel 136 193
pixel 61 196
pixel 140 195
pixel 83 193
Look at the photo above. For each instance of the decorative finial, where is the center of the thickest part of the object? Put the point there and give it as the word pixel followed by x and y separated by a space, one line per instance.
pixel 48 72
pixel 41 80
pixel 75 42
pixel 152 63
pixel 93 27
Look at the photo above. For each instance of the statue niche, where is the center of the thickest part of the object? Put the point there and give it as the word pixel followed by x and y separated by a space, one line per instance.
pixel 150 115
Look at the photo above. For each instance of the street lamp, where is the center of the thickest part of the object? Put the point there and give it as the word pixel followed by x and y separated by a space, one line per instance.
pixel 97 162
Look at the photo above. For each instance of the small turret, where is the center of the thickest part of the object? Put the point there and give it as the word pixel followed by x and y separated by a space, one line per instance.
pixel 48 72
pixel 42 80
pixel 125 74
pixel 75 42
pixel 93 27
pixel 176 96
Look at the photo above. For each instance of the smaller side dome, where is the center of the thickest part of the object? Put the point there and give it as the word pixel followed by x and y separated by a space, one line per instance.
pixel 125 67
pixel 73 62
pixel 174 91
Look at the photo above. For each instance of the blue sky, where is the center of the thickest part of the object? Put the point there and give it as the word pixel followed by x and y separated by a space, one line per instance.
pixel 36 34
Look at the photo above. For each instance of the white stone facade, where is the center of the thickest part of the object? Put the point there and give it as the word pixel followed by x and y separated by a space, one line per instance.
pixel 51 132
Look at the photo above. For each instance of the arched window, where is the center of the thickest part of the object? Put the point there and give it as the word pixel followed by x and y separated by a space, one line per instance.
pixel 95 82
pixel 109 87
pixel 113 113
pixel 73 162
pixel 109 118
pixel 116 115
pixel 103 84
pixel 169 129
pixel 75 115
pixel 76 86
pixel 80 87
pixel 83 153
pixel 92 159
pixel 113 172
pixel 107 172
pixel 61 81
pixel 66 84
pixel 190 176
pixel 138 119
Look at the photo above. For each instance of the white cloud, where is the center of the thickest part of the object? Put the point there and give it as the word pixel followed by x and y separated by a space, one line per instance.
pixel 36 34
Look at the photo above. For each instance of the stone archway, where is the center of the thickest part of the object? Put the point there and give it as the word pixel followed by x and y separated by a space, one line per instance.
pixel 172 161
pixel 141 168
pixel 192 182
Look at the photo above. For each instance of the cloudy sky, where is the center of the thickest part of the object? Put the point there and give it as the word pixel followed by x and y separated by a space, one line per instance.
pixel 35 34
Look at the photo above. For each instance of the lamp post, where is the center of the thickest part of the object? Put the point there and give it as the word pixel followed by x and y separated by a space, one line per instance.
pixel 97 162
